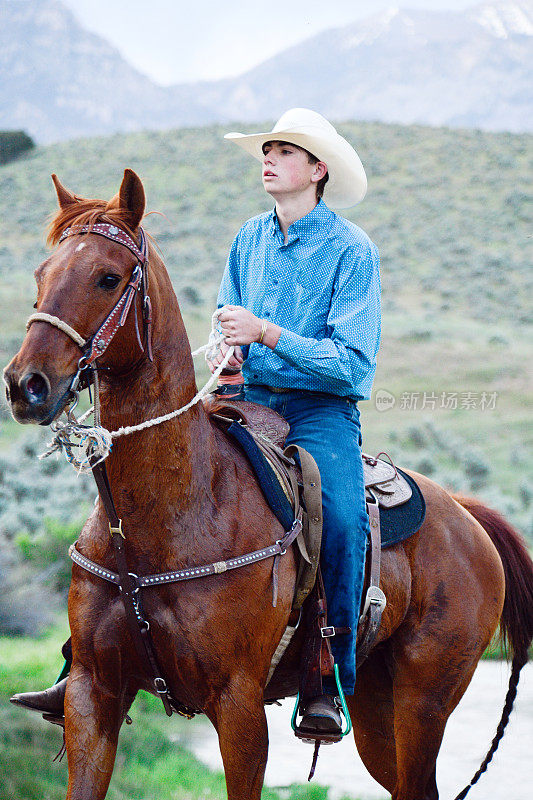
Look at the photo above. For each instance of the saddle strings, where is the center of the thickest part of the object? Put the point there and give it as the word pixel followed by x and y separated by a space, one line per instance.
pixel 94 442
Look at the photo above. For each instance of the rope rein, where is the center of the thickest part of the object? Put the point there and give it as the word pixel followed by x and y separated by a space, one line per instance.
pixel 211 349
pixel 95 442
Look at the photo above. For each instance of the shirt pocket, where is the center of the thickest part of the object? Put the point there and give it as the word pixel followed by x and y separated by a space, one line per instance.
pixel 307 280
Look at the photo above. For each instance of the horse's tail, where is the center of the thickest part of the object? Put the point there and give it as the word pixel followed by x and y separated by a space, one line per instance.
pixel 516 622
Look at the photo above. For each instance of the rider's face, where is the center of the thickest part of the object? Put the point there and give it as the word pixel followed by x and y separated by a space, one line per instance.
pixel 286 169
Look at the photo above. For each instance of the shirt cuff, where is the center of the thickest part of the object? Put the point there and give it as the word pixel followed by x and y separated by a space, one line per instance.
pixel 289 345
pixel 300 350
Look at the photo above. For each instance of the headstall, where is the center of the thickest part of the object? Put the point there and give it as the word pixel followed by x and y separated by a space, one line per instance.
pixel 96 346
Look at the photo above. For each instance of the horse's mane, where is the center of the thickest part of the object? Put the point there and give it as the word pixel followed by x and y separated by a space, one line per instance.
pixel 88 212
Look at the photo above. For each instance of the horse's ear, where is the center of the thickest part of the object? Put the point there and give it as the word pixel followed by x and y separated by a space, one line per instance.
pixel 131 197
pixel 64 197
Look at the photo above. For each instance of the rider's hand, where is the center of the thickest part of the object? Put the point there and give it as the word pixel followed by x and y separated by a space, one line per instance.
pixel 239 326
pixel 235 361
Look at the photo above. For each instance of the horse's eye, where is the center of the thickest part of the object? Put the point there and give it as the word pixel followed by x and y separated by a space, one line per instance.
pixel 109 282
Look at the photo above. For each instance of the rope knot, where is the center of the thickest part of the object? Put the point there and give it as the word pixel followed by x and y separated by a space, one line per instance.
pixel 83 446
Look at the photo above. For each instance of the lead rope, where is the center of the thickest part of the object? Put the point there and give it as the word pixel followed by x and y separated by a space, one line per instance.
pixel 94 442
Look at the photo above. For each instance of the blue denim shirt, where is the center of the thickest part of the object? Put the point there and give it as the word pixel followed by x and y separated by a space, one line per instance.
pixel 322 288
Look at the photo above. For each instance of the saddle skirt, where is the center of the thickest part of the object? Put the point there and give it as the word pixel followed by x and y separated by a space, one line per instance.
pixel 392 492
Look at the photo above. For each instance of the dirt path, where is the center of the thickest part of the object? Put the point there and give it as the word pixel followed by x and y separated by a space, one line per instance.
pixel 468 736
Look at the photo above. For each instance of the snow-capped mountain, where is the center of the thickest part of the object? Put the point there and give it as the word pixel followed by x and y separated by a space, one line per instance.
pixel 503 19
pixel 408 66
pixel 470 68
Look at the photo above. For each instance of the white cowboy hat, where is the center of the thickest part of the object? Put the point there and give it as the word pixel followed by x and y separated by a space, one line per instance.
pixel 347 180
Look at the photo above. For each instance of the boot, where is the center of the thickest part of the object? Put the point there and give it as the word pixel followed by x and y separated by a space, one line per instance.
pixel 321 715
pixel 50 701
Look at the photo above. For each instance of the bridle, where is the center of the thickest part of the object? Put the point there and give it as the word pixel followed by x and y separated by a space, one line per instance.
pixel 94 347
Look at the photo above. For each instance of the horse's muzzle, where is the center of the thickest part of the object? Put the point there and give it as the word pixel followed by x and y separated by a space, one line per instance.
pixel 32 398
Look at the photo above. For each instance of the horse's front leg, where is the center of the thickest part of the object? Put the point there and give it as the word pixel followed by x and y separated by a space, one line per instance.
pixel 93 717
pixel 240 720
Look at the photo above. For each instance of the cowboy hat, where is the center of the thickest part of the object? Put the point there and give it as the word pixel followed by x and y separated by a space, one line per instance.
pixel 347 180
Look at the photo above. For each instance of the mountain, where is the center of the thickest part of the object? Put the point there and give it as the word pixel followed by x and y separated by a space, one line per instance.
pixel 58 81
pixel 469 69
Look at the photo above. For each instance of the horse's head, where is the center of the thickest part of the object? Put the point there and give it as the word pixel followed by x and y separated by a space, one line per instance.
pixel 79 284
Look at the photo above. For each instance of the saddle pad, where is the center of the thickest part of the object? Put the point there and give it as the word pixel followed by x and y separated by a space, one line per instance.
pixel 396 523
pixel 266 477
pixel 400 522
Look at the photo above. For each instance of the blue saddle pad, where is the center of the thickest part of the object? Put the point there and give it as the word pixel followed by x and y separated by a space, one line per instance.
pixel 396 523
pixel 400 522
pixel 266 477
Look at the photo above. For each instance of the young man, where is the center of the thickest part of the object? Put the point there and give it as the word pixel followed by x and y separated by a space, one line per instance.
pixel 300 300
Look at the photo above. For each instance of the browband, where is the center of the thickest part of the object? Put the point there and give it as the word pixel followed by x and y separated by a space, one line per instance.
pixel 109 232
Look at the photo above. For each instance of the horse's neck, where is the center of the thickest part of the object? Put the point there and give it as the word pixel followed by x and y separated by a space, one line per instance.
pixel 168 463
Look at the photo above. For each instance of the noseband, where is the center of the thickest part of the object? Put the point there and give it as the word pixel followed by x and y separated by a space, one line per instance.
pixel 96 346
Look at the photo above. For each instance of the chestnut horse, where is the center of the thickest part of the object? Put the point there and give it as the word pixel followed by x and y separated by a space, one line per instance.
pixel 187 496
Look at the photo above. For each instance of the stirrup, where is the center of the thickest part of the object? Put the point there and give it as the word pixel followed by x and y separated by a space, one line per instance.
pixel 325 738
pixel 55 720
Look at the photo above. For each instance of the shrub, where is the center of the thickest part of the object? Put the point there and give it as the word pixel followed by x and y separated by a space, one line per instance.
pixel 13 144
pixel 26 607
pixel 49 551
pixel 476 468
pixel 416 437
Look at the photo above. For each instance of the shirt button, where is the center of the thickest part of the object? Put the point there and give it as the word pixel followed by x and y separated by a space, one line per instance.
pixel 255 376
pixel 275 282
pixel 267 313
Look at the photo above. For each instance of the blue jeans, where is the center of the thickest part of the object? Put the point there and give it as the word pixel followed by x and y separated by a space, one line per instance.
pixel 328 427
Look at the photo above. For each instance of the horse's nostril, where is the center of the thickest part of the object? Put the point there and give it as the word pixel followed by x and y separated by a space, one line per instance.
pixel 8 396
pixel 34 388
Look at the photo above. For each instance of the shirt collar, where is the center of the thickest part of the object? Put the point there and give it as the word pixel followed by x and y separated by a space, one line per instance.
pixel 317 221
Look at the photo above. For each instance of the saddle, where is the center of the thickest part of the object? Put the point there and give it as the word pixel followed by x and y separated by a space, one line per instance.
pixel 381 477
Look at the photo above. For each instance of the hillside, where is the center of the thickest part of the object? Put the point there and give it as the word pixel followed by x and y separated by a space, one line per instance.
pixel 449 212
pixel 461 68
pixel 448 209
pixel 58 80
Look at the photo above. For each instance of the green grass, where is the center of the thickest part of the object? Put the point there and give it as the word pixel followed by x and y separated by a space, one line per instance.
pixel 149 766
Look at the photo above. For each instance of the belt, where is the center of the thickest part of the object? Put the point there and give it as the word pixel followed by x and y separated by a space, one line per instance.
pixel 279 390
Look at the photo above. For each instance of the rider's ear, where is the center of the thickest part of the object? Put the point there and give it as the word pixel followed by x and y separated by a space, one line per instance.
pixel 131 197
pixel 64 197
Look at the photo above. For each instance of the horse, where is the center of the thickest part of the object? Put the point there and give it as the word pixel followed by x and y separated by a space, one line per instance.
pixel 186 495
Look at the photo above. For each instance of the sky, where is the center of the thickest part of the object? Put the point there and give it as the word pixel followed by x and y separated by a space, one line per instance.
pixel 173 41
